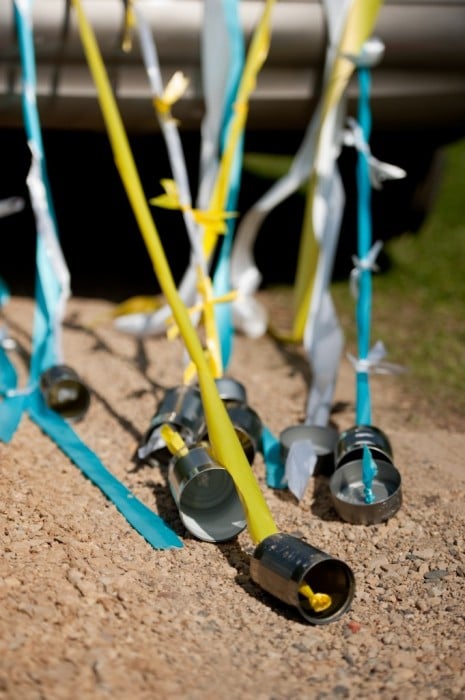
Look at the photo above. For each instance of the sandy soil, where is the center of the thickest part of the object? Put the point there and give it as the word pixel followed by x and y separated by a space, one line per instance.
pixel 90 610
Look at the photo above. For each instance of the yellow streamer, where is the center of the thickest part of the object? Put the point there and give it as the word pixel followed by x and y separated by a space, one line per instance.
pixel 225 444
pixel 359 25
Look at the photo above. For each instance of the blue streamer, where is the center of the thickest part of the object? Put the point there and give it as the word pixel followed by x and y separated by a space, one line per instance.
pixel 275 468
pixel 4 292
pixel 221 278
pixel 44 355
pixel 363 311
pixel 11 407
pixel 142 519
pixel 369 471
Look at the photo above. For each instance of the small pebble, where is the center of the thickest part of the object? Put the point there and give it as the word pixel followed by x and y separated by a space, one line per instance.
pixel 435 574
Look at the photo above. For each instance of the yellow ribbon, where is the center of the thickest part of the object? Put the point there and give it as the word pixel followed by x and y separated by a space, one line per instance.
pixel 206 308
pixel 174 441
pixel 214 219
pixel 359 25
pixel 225 444
pixel 129 24
pixel 133 305
pixel 174 90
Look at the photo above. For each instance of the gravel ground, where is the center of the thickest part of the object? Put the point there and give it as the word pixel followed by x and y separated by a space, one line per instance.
pixel 90 610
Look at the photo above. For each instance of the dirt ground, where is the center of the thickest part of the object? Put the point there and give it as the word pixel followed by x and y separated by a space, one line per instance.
pixel 90 610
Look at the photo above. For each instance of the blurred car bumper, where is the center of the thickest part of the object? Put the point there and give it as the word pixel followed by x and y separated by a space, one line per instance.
pixel 419 85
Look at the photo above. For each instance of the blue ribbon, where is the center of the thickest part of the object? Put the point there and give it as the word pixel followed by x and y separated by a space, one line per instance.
pixel 369 471
pixel 4 292
pixel 364 233
pixel 271 450
pixel 11 407
pixel 221 278
pixel 47 291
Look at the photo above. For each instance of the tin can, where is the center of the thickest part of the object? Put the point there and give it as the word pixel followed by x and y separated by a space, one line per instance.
pixel 323 439
pixel 281 564
pixel 180 407
pixel 231 390
pixel 247 425
pixel 347 492
pixel 206 496
pixel 64 392
pixel 350 444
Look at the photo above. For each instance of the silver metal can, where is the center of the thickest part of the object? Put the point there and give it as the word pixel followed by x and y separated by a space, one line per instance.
pixel 350 444
pixel 181 407
pixel 64 392
pixel 281 564
pixel 206 496
pixel 347 492
pixel 323 439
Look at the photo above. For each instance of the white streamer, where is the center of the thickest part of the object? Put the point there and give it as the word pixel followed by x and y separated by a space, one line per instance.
pixel 46 229
pixel 300 465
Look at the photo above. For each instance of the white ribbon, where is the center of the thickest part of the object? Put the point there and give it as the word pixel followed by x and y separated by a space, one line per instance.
pixel 299 467
pixel 46 229
pixel 325 359
pixel 370 55
pixel 374 362
pixel 379 171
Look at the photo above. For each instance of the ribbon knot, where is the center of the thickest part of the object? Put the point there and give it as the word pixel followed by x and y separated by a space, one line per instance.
pixel 370 54
pixel 363 265
pixel 214 220
pixel 374 362
pixel 174 90
pixel 379 171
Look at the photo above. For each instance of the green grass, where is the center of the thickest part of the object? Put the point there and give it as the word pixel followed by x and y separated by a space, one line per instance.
pixel 419 304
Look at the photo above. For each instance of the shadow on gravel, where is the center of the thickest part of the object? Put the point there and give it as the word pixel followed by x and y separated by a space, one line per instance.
pixel 239 559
